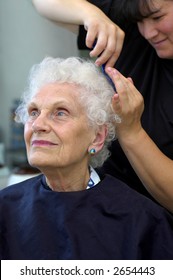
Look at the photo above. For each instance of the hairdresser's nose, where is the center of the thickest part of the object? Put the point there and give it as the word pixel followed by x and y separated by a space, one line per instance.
pixel 41 123
pixel 148 29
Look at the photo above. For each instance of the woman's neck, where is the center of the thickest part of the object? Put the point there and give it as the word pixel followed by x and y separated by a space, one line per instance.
pixel 68 180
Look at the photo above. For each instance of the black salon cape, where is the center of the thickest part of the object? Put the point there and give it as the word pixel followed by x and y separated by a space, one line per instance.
pixel 154 79
pixel 109 221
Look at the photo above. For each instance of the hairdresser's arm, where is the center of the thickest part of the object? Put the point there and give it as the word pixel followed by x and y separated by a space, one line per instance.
pixel 154 169
pixel 100 29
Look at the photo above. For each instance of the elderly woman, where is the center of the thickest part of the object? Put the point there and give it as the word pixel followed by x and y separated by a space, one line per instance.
pixel 70 211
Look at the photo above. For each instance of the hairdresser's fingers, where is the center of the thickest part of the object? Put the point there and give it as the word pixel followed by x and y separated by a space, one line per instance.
pixel 130 79
pixel 91 36
pixel 104 38
pixel 121 85
pixel 97 41
pixel 130 99
pixel 115 48
pixel 97 34
pixel 116 105
pixel 124 86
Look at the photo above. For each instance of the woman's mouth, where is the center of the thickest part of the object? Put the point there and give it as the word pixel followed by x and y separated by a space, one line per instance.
pixel 42 143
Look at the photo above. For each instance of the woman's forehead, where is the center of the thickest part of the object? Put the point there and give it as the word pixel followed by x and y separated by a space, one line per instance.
pixel 56 95
pixel 56 90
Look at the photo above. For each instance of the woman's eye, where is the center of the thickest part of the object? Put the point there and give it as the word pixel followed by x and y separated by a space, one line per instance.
pixel 33 113
pixel 61 113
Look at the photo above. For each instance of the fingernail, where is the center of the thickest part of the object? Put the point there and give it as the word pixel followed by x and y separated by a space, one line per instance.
pixel 115 72
pixel 109 69
pixel 97 63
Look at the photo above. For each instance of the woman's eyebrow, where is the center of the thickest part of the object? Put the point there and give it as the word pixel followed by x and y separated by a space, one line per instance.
pixel 62 102
pixel 31 104
pixel 53 104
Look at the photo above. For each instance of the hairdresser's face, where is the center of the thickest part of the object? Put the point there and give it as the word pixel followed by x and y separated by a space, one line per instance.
pixel 57 133
pixel 157 28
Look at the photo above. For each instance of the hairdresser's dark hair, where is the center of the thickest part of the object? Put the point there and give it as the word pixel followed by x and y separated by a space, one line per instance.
pixel 132 10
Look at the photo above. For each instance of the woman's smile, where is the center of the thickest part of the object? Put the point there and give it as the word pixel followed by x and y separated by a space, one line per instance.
pixel 42 143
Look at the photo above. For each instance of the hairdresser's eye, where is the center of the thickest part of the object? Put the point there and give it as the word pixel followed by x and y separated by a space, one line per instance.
pixel 157 18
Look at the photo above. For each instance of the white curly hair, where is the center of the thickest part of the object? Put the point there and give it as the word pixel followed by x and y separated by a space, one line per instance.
pixel 95 94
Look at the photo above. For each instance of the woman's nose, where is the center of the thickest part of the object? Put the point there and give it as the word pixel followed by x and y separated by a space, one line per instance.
pixel 40 124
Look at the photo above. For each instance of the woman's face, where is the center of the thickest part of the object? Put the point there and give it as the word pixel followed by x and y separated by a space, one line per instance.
pixel 157 28
pixel 57 133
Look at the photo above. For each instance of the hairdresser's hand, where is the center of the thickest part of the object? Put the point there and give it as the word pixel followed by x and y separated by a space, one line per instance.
pixel 128 104
pixel 106 37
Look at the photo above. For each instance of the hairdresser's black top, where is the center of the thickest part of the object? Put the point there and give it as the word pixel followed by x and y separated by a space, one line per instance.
pixel 109 221
pixel 154 79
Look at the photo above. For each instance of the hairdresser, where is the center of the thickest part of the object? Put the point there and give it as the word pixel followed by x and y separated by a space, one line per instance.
pixel 136 37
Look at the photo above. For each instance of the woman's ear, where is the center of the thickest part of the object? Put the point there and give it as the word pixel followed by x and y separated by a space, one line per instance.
pixel 99 139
